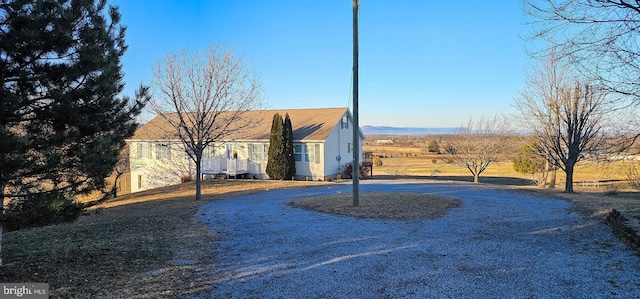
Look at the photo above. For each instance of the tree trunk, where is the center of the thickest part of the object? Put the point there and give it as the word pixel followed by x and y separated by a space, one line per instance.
pixel 2 186
pixel 114 189
pixel 552 181
pixel 544 175
pixel 476 178
pixel 568 185
pixel 199 177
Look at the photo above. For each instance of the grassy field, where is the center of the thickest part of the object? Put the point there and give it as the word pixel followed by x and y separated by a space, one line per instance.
pixel 398 163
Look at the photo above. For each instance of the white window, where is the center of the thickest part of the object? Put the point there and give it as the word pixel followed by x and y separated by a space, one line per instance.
pixel 310 152
pixel 144 150
pixel 163 151
pixel 259 152
pixel 344 123
pixel 297 152
pixel 316 149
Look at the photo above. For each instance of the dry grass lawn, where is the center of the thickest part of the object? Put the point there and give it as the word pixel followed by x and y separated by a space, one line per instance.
pixel 382 205
pixel 143 245
pixel 592 202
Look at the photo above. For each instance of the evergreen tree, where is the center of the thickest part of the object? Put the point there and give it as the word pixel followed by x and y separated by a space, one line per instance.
pixel 276 164
pixel 288 148
pixel 434 147
pixel 527 161
pixel 62 121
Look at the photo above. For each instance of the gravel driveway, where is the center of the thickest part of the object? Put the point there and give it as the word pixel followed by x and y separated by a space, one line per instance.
pixel 497 245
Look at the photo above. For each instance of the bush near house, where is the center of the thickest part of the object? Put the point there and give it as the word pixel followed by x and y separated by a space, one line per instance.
pixel 347 171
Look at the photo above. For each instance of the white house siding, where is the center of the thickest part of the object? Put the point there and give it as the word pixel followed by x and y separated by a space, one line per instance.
pixel 336 150
pixel 309 161
pixel 258 157
pixel 157 163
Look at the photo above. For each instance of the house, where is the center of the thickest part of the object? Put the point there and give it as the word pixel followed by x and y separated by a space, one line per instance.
pixel 385 141
pixel 323 144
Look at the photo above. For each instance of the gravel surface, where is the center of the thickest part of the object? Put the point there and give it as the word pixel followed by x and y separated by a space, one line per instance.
pixel 496 245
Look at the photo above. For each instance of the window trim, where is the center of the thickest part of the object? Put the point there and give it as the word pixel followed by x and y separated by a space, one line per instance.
pixel 264 152
pixel 144 150
pixel 298 154
pixel 304 155
pixel 163 151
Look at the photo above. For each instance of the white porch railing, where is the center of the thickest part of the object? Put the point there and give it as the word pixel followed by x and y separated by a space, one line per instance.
pixel 214 165
pixel 219 165
pixel 237 166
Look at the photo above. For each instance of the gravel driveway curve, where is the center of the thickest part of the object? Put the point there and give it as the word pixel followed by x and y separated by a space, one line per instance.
pixel 499 244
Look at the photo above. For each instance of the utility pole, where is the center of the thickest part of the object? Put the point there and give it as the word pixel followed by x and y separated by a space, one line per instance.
pixel 356 126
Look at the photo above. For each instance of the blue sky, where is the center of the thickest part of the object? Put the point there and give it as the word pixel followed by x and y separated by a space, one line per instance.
pixel 422 63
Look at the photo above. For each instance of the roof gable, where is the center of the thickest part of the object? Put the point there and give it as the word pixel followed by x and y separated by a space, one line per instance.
pixel 307 125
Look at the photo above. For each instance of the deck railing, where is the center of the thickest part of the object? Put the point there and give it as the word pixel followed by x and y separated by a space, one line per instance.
pixel 237 166
pixel 213 165
pixel 217 165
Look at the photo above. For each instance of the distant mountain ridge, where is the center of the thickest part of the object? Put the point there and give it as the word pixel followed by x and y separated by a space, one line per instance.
pixel 385 130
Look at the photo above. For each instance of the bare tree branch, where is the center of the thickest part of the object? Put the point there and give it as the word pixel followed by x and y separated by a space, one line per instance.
pixel 478 144
pixel 598 36
pixel 204 97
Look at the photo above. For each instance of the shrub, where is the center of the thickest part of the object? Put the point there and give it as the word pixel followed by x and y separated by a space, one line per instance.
pixel 633 176
pixel 40 210
pixel 347 171
pixel 434 147
pixel 611 189
pixel 186 178
pixel 434 161
pixel 377 161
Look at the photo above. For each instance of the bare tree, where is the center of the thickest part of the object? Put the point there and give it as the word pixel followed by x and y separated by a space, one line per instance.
pixel 204 97
pixel 568 120
pixel 598 36
pixel 120 169
pixel 478 144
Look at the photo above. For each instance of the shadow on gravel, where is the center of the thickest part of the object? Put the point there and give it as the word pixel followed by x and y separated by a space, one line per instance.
pixel 504 181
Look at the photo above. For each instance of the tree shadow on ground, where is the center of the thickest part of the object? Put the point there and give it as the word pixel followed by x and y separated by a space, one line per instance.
pixel 504 181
